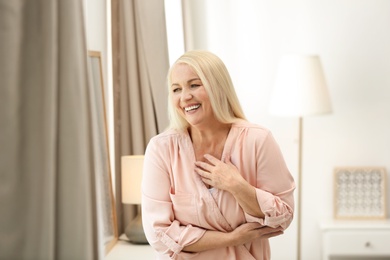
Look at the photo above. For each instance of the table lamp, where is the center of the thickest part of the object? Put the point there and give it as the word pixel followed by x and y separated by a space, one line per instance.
pixel 300 90
pixel 132 166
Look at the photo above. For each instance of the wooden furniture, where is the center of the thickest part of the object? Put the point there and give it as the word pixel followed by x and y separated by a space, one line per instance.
pixel 365 239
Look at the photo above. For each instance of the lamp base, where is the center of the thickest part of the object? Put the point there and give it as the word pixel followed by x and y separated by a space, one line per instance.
pixel 135 232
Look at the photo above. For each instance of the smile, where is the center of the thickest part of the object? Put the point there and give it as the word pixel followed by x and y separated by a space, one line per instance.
pixel 191 108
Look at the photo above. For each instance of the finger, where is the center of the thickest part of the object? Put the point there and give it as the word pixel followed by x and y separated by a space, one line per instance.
pixel 273 234
pixel 268 229
pixel 267 232
pixel 205 166
pixel 229 162
pixel 202 173
pixel 211 159
pixel 207 181
pixel 227 159
pixel 205 176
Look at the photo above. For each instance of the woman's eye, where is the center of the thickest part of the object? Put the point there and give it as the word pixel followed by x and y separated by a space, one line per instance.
pixel 176 90
pixel 195 85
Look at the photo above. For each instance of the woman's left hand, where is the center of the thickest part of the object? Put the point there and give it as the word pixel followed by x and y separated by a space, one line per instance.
pixel 219 174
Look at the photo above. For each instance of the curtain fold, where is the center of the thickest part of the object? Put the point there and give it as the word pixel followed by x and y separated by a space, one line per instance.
pixel 195 30
pixel 47 195
pixel 140 65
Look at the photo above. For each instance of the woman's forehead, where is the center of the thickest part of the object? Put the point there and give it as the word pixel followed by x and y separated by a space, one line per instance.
pixel 181 70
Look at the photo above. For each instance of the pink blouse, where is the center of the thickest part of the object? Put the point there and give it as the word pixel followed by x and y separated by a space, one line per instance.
pixel 177 208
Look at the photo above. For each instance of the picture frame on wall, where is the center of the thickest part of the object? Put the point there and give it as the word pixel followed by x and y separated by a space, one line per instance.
pixel 360 193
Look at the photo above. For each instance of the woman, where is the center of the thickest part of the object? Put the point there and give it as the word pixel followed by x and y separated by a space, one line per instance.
pixel 214 186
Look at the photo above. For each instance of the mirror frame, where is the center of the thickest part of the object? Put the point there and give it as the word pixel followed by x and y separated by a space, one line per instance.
pixel 105 202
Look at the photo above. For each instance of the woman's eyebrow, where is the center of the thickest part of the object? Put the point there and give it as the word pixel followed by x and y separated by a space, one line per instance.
pixel 193 80
pixel 189 81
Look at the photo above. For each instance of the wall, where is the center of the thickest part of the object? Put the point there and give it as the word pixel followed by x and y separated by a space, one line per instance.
pixel 353 42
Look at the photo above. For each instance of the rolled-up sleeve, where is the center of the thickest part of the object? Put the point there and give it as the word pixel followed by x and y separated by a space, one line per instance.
pixel 274 185
pixel 164 233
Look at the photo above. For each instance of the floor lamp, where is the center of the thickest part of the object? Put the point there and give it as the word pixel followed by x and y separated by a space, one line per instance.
pixel 300 90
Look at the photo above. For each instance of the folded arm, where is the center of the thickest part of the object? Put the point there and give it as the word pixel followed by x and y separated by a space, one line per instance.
pixel 245 233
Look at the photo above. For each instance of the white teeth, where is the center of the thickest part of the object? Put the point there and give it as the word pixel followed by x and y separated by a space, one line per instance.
pixel 187 109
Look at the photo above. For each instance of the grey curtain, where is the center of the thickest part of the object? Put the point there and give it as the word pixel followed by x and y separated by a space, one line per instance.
pixel 140 65
pixel 47 196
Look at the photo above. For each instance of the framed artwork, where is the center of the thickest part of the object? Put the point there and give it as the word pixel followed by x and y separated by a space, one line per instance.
pixel 360 193
pixel 102 167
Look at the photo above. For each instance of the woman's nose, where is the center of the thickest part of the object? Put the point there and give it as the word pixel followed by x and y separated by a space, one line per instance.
pixel 186 95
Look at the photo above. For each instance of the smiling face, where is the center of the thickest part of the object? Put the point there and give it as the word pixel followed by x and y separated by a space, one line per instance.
pixel 189 96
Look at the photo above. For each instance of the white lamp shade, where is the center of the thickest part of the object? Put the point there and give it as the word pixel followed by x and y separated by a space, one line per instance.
pixel 131 167
pixel 300 87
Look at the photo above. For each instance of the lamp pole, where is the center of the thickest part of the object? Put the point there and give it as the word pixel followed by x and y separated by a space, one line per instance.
pixel 300 90
pixel 299 219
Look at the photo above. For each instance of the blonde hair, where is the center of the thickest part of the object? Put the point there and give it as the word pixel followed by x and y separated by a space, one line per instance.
pixel 217 83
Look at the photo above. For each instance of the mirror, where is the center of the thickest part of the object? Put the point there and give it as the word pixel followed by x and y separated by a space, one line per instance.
pixel 101 156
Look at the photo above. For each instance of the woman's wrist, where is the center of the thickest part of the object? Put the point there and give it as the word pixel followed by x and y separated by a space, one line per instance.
pixel 231 238
pixel 245 195
pixel 240 187
pixel 212 240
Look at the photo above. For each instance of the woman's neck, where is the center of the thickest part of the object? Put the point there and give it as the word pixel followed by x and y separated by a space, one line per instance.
pixel 210 140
